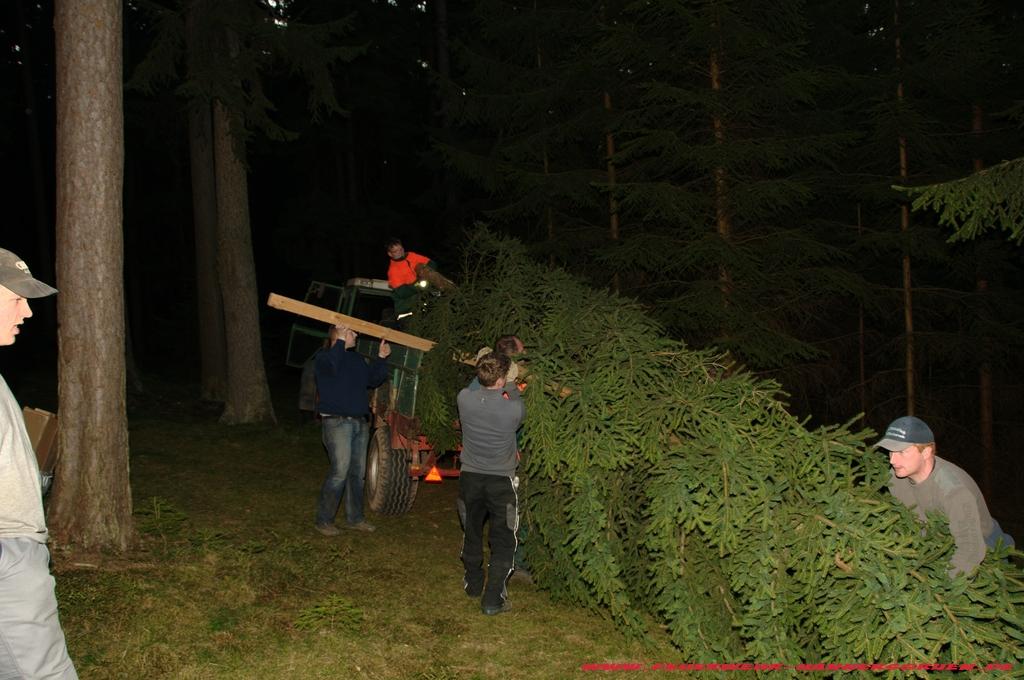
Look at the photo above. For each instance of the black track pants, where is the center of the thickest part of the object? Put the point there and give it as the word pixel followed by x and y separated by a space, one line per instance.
pixel 482 497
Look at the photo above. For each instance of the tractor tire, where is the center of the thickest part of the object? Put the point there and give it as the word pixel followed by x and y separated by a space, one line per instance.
pixel 390 490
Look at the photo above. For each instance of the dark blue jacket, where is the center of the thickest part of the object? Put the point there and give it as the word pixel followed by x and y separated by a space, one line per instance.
pixel 342 379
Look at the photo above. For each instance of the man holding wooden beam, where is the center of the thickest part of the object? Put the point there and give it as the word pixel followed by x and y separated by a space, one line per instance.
pixel 342 379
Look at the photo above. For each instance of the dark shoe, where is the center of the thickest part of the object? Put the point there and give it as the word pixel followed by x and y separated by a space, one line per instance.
pixel 328 529
pixel 361 526
pixel 474 590
pixel 500 609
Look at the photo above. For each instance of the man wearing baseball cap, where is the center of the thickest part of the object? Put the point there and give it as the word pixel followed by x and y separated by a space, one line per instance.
pixel 925 482
pixel 31 640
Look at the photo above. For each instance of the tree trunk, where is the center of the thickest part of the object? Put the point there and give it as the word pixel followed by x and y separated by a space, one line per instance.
pixel 613 205
pixel 91 505
pixel 549 215
pixel 212 338
pixel 986 418
pixel 862 374
pixel 210 306
pixel 723 221
pixel 908 299
pixel 248 396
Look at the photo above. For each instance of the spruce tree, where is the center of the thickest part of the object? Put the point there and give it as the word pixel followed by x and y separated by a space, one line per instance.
pixel 662 489
pixel 232 46
pixel 955 60
pixel 712 177
pixel 526 101
pixel 988 200
pixel 368 176
pixel 720 152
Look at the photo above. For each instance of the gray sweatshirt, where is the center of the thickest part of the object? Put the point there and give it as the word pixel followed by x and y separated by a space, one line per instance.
pixel 21 497
pixel 952 492
pixel 489 423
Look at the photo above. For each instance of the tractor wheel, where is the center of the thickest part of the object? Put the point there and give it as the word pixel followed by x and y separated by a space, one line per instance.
pixel 389 488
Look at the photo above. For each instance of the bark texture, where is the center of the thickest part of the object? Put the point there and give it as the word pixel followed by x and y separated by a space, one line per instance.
pixel 909 374
pixel 986 410
pixel 248 395
pixel 91 505
pixel 210 306
pixel 212 343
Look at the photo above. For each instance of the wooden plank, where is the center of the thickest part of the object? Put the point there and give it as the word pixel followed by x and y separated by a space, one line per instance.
pixel 373 330
pixel 358 325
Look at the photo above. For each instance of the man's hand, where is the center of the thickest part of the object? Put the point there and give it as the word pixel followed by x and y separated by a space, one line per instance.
pixel 337 333
pixel 385 349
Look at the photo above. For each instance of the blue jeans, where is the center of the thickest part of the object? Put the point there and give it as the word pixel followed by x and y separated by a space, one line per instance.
pixel 346 440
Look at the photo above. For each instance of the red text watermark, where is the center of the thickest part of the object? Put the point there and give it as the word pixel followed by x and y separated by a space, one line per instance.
pixel 807 667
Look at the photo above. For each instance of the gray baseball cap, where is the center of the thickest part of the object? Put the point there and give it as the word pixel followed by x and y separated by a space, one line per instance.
pixel 15 276
pixel 904 432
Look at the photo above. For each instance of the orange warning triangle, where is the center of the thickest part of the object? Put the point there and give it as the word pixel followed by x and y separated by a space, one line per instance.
pixel 434 475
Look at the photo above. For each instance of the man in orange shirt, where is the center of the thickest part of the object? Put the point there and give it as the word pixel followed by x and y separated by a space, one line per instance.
pixel 403 266
pixel 404 271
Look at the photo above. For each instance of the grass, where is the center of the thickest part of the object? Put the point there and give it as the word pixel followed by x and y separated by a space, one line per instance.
pixel 229 579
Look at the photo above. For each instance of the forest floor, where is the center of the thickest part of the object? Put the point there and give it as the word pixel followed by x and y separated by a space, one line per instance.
pixel 229 579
